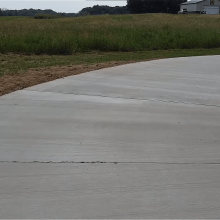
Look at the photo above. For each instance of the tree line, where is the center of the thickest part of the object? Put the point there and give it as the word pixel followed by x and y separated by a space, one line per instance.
pixel 95 10
pixel 32 12
pixel 154 6
pixel 132 7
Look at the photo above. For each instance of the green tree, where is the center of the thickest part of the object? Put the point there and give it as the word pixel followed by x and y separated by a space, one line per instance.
pixel 103 9
pixel 154 6
pixel 1 12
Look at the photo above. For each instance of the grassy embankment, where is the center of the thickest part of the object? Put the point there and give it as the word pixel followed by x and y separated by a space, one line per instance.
pixel 105 38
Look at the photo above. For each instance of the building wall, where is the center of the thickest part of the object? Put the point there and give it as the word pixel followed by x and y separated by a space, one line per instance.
pixel 189 7
pixel 207 3
pixel 199 6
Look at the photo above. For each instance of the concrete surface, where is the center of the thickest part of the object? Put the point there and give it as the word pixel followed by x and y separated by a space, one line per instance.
pixel 136 141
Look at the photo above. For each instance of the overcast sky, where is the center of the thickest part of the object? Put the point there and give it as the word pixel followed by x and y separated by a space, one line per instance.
pixel 58 6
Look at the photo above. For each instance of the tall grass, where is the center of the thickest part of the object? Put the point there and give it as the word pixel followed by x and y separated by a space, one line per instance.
pixel 109 33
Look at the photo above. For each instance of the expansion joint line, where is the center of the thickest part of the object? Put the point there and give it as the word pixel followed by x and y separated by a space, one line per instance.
pixel 138 99
pixel 103 162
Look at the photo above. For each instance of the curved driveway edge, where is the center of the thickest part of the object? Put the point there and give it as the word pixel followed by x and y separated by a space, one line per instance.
pixel 134 141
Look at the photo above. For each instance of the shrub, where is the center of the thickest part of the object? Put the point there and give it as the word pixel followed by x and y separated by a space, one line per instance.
pixel 46 16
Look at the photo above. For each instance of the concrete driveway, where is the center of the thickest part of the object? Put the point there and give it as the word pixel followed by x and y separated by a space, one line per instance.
pixel 135 141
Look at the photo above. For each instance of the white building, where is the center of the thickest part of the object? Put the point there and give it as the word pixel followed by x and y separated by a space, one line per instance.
pixel 201 6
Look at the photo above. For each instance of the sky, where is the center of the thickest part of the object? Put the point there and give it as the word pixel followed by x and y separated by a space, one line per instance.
pixel 69 6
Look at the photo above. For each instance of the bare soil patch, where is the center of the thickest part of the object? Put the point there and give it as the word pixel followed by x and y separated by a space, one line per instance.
pixel 13 82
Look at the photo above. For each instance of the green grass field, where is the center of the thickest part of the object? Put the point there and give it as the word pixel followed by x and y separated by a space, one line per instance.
pixel 108 33
pixel 8 18
pixel 31 43
pixel 15 63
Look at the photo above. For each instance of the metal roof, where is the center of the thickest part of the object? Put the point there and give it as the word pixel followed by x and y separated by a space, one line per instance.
pixel 192 2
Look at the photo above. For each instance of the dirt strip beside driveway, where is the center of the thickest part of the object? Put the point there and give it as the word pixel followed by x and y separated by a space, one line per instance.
pixel 10 83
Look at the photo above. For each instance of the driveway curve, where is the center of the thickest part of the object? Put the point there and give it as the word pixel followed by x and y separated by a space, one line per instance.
pixel 134 141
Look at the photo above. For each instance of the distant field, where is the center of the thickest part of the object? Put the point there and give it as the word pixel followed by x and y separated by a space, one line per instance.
pixel 108 33
pixel 10 18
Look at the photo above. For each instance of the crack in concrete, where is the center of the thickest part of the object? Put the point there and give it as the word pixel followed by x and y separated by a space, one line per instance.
pixel 138 99
pixel 105 162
